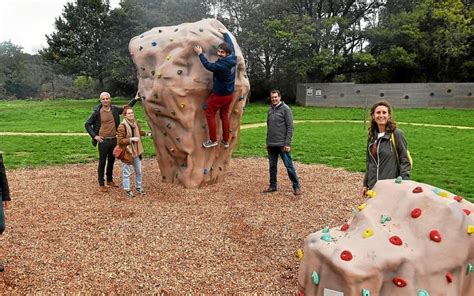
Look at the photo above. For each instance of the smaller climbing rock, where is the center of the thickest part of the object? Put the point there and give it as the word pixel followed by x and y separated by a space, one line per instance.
pixel 346 255
pixel 362 206
pixel 457 198
pixel 385 218
pixel 315 277
pixel 415 213
pixel 470 229
pixel 418 189
pixel 399 282
pixel 468 212
pixel 396 240
pixel 435 236
pixel 345 227
pixel 368 233
pixel 326 237
pixel 371 193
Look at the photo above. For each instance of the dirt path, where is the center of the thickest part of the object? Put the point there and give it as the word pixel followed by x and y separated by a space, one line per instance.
pixel 251 125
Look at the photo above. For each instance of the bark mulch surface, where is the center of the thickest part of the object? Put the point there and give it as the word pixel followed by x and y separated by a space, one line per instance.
pixel 63 236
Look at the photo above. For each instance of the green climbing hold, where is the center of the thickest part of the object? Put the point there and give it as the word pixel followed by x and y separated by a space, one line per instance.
pixel 385 218
pixel 173 113
pixel 315 277
pixel 423 292
pixel 398 180
pixel 326 229
pixel 176 30
pixel 365 292
pixel 201 30
pixel 326 237
pixel 469 269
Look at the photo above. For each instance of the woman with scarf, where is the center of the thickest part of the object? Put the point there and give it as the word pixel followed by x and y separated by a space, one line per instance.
pixel 128 138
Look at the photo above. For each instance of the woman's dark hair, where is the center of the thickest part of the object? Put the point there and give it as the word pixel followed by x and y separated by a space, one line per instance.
pixel 391 124
pixel 226 47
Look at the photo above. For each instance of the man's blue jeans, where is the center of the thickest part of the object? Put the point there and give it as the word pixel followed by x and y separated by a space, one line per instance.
pixel 127 172
pixel 273 153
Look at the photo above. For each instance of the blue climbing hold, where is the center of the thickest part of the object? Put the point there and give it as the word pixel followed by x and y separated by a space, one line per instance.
pixel 423 292
pixel 154 43
pixel 205 171
pixel 326 237
pixel 365 292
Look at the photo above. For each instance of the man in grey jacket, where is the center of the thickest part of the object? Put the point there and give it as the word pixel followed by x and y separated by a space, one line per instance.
pixel 279 134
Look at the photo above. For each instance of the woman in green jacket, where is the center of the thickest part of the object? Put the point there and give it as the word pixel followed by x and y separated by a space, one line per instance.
pixel 384 158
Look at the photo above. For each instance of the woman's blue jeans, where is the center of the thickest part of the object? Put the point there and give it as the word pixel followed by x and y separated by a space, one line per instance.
pixel 127 172
pixel 273 153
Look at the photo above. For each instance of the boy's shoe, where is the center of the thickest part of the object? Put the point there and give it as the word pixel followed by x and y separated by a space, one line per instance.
pixel 141 191
pixel 102 189
pixel 129 193
pixel 2 267
pixel 209 144
pixel 226 145
pixel 297 191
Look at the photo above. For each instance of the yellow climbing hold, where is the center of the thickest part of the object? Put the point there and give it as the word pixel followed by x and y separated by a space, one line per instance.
pixel 470 229
pixel 181 105
pixel 371 193
pixel 158 76
pixel 443 194
pixel 368 233
pixel 168 57
pixel 300 253
pixel 362 206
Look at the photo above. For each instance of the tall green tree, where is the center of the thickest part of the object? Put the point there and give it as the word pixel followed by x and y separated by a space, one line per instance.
pixel 79 44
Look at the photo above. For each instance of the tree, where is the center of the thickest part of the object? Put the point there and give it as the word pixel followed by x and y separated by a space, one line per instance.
pixel 79 44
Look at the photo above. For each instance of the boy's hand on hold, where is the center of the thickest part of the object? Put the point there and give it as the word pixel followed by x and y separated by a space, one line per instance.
pixel 221 30
pixel 197 49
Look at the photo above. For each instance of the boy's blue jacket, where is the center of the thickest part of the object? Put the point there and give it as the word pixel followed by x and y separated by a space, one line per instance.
pixel 224 71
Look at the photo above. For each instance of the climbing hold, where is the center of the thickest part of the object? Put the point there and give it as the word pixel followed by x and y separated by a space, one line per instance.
pixel 399 282
pixel 176 30
pixel 371 193
pixel 241 98
pixel 201 30
pixel 415 213
pixel 181 105
pixel 299 253
pixel 326 237
pixel 315 277
pixel 171 39
pixel 173 113
pixel 168 57
pixel 345 227
pixel 435 236
pixel 365 292
pixel 326 230
pixel 205 171
pixel 346 255
pixel 179 72
pixel 443 194
pixel 385 218
pixel 178 139
pixel 368 233
pixel 469 269
pixel 159 31
pixel 398 180
pixel 423 292
pixel 468 212
pixel 436 190
pixel 142 68
pixel 141 36
pixel 418 189
pixel 154 43
pixel 152 73
pixel 457 198
pixel 165 134
pixel 300 293
pixel 362 206
pixel 449 277
pixel 171 149
pixel 140 48
pixel 158 75
pixel 168 125
pixel 470 229
pixel 396 240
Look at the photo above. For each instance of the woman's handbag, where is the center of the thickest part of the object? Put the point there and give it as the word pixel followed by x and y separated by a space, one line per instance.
pixel 122 154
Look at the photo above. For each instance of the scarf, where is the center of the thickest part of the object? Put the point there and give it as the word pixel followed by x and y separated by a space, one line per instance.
pixel 136 148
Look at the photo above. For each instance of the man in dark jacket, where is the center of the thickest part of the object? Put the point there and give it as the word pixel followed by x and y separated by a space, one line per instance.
pixel 5 192
pixel 279 134
pixel 102 127
pixel 224 83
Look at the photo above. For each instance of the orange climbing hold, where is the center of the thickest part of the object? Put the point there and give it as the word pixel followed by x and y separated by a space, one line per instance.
pixel 435 236
pixel 415 213
pixel 396 240
pixel 399 282
pixel 346 255
pixel 418 189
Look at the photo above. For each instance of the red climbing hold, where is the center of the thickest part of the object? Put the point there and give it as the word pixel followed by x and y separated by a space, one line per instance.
pixel 345 227
pixel 449 277
pixel 457 198
pixel 415 213
pixel 468 212
pixel 346 255
pixel 399 282
pixel 435 236
pixel 418 190
pixel 396 240
pixel 300 293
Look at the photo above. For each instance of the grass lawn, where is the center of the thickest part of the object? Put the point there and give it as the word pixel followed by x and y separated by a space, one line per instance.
pixel 442 156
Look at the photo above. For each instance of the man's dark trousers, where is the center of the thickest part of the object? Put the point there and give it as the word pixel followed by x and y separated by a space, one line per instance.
pixel 273 153
pixel 106 157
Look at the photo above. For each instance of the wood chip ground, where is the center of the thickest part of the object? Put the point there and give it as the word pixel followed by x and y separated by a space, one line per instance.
pixel 63 236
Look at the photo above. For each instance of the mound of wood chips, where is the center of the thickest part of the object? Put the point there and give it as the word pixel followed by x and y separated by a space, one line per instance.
pixel 63 236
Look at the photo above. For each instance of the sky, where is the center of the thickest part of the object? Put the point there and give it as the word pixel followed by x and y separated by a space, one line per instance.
pixel 25 22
